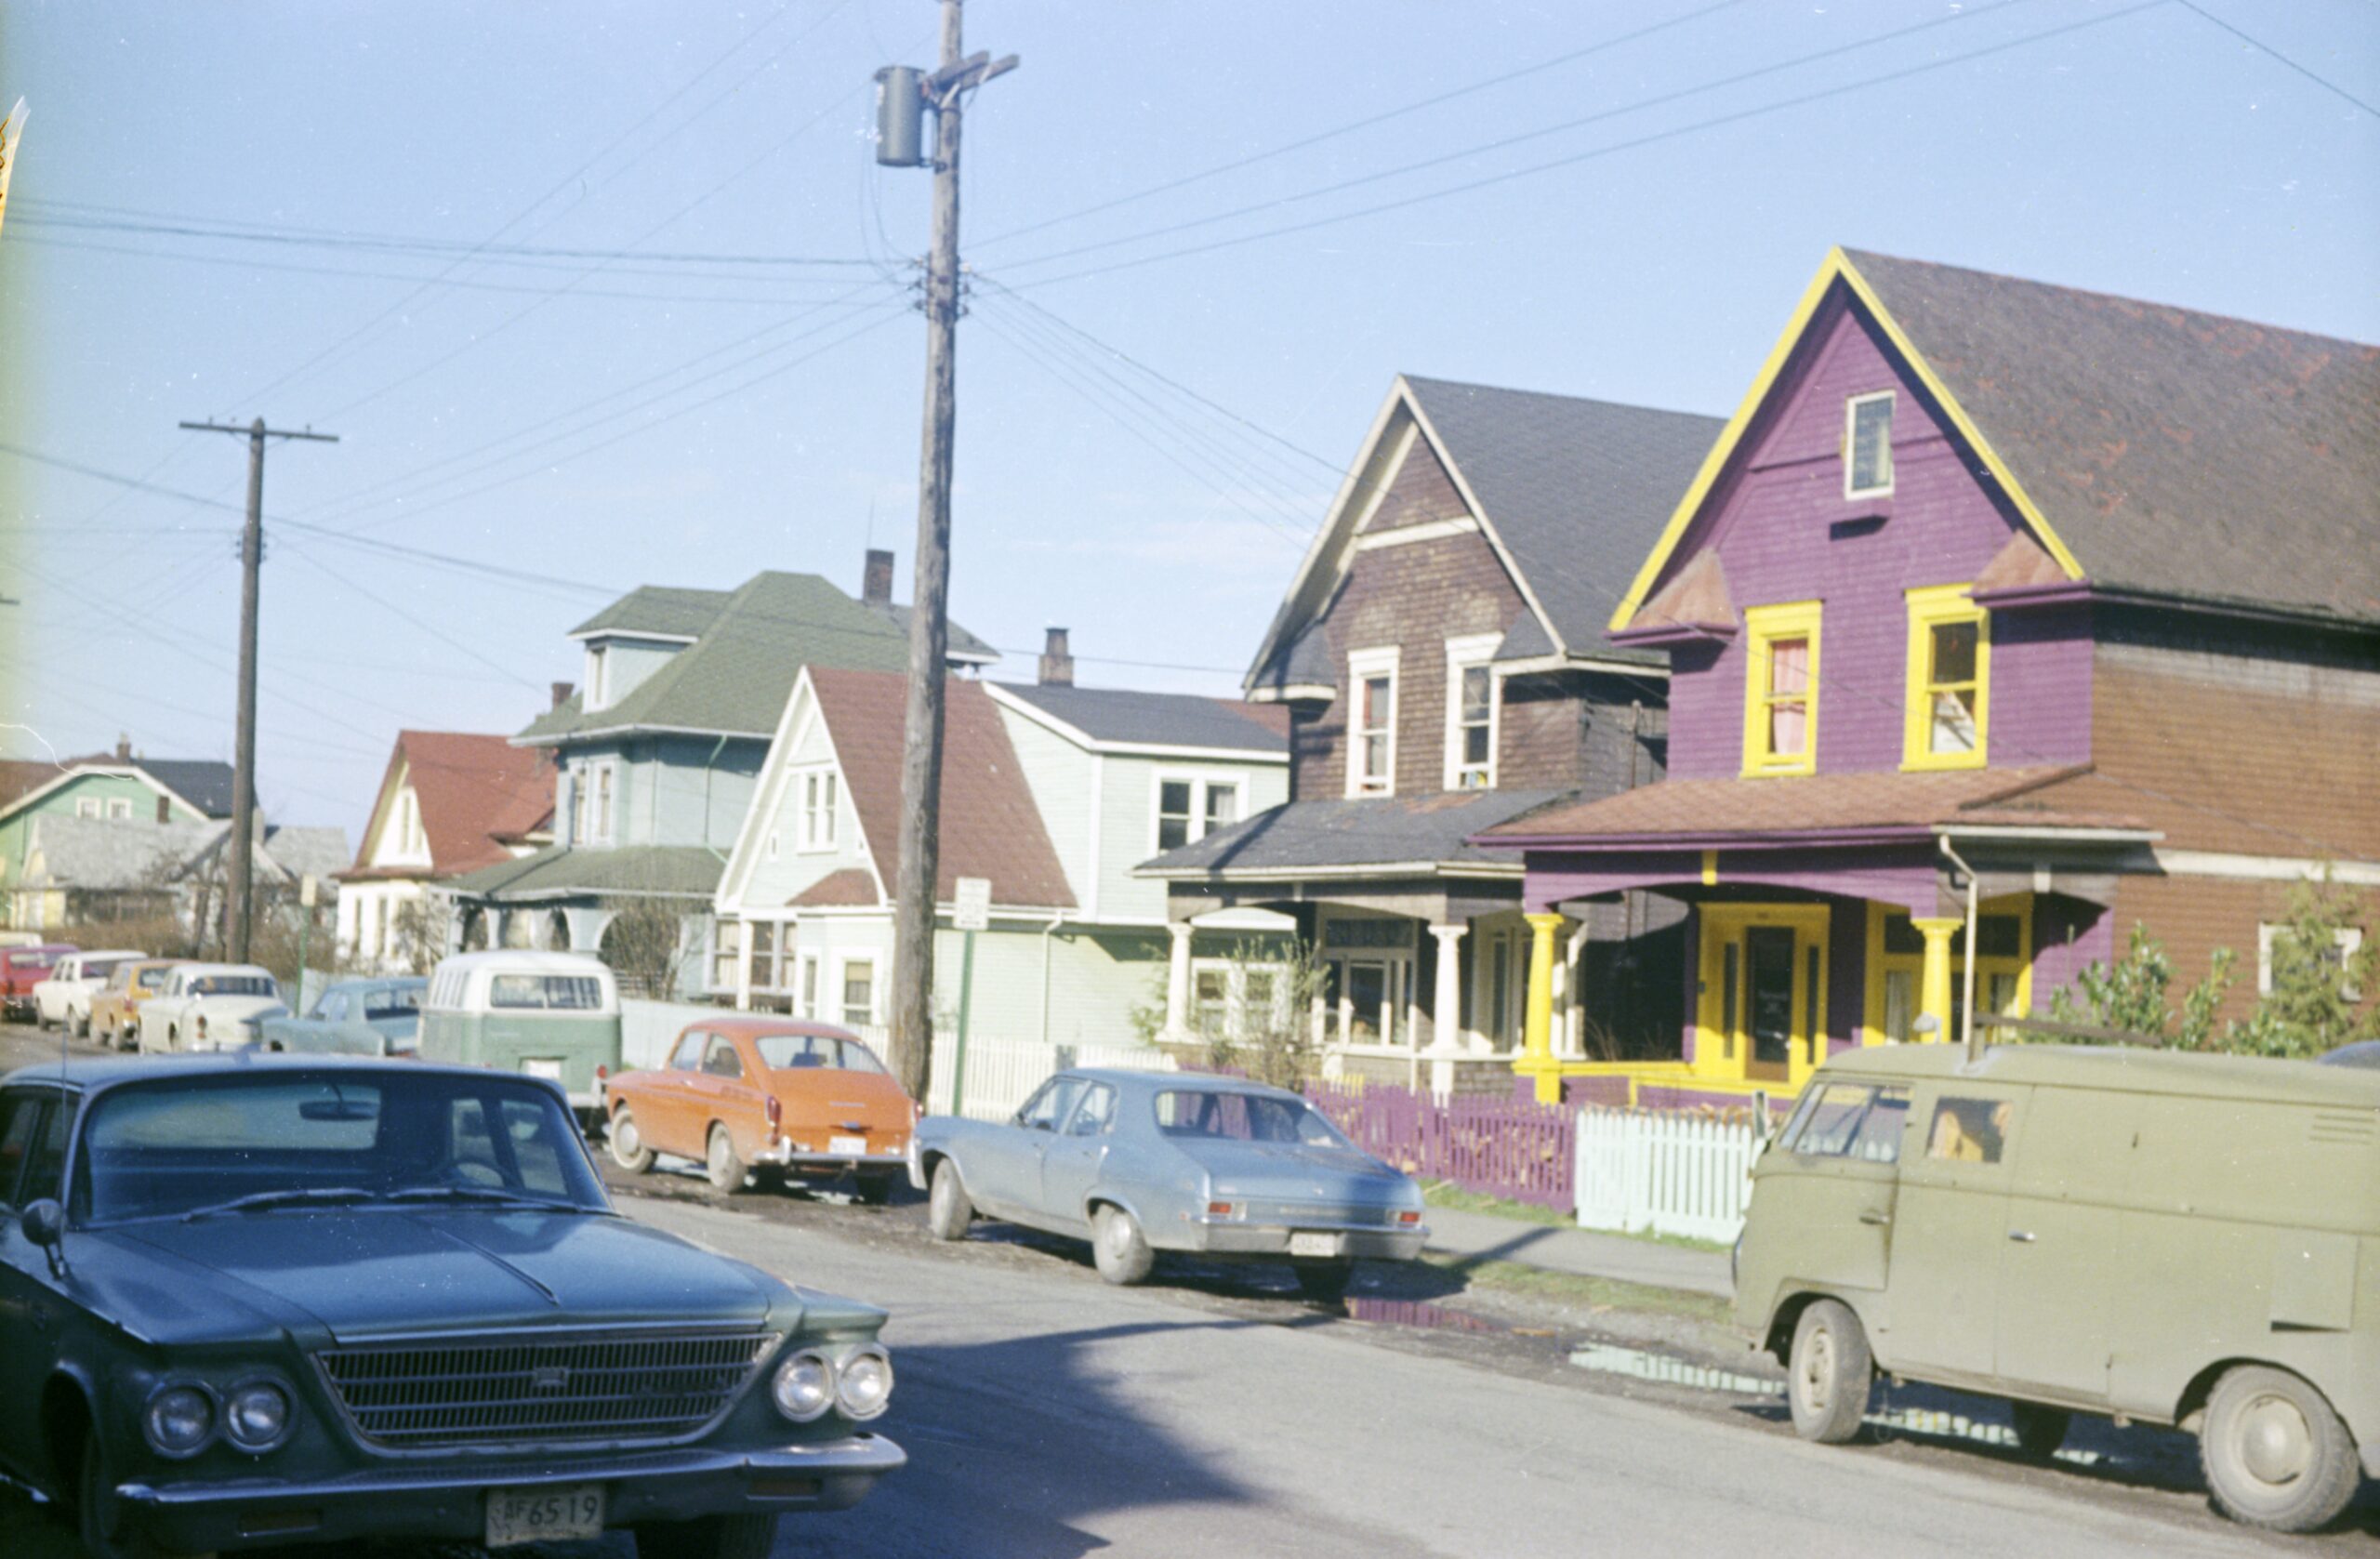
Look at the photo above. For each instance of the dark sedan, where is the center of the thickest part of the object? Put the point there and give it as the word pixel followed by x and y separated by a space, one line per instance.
pixel 250 1300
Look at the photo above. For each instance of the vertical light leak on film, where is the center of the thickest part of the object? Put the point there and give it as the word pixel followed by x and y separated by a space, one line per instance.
pixel 16 408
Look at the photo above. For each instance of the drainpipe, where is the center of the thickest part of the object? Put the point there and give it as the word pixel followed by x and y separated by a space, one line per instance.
pixel 1966 1024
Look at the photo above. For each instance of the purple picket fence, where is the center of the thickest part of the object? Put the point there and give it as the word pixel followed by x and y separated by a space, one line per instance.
pixel 1500 1147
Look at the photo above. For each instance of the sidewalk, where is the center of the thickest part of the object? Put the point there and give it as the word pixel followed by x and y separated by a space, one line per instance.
pixel 1585 1252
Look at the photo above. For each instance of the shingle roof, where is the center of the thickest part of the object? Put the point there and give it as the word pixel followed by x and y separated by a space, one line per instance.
pixel 474 791
pixel 307 852
pixel 94 853
pixel 990 826
pixel 23 776
pixel 684 871
pixel 2175 453
pixel 848 888
pixel 1173 719
pixel 1578 489
pixel 203 783
pixel 1381 830
pixel 749 647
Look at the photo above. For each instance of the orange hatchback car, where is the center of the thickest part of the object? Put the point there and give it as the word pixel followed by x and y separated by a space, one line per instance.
pixel 766 1098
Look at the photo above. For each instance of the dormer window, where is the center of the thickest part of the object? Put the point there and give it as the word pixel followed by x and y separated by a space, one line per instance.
pixel 597 665
pixel 1868 445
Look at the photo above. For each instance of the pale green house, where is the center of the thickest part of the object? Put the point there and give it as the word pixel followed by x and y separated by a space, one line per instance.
pixel 140 794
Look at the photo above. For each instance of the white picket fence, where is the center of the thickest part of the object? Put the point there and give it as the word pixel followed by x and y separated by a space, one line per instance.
pixel 1654 1172
pixel 1001 1074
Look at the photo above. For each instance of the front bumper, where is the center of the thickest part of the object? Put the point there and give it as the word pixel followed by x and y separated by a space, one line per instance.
pixel 1225 1236
pixel 448 1500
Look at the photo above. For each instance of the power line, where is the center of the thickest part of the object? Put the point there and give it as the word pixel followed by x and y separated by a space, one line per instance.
pixel 2266 49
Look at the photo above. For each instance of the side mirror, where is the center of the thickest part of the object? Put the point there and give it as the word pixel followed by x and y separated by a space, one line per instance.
pixel 45 1223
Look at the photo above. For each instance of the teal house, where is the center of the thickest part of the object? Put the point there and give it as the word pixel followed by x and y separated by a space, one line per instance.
pixel 140 796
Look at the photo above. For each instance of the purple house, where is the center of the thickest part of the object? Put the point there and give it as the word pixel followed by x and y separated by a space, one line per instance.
pixel 2001 598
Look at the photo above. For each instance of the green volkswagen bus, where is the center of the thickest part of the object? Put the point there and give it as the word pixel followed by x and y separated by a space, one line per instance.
pixel 554 1015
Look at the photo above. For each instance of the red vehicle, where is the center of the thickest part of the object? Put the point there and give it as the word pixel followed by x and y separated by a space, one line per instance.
pixel 20 970
pixel 766 1097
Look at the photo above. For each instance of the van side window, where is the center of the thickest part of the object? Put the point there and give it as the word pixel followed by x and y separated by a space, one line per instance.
pixel 1853 1120
pixel 1969 1131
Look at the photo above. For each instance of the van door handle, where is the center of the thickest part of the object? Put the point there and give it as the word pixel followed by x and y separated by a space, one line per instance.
pixel 1877 1220
pixel 2022 1237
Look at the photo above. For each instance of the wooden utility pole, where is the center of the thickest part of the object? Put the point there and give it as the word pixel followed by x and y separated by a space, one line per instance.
pixel 919 852
pixel 242 866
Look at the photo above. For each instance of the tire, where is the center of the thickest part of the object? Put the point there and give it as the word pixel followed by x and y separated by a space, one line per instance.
pixel 874 1189
pixel 94 1508
pixel 726 1171
pixel 712 1537
pixel 2275 1453
pixel 1827 1378
pixel 2040 1431
pixel 1119 1249
pixel 628 1143
pixel 948 1208
pixel 79 1027
pixel 1324 1282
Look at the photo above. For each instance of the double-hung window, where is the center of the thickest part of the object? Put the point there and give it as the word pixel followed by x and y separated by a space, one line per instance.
pixel 1371 722
pixel 119 809
pixel 1868 445
pixel 820 796
pixel 859 992
pixel 1950 680
pixel 86 806
pixel 600 779
pixel 1470 713
pixel 1781 688
pixel 1190 807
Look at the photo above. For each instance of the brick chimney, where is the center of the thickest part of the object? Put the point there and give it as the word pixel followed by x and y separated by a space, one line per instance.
pixel 876 578
pixel 123 747
pixel 1057 666
pixel 562 693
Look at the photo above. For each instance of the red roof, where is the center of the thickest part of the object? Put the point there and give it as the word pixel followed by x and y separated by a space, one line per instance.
pixel 990 825
pixel 476 793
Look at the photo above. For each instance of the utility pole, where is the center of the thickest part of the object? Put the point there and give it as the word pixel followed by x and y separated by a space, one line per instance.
pixel 243 769
pixel 901 94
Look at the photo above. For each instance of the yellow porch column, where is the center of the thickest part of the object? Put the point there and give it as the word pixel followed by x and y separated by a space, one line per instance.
pixel 1536 1060
pixel 1934 982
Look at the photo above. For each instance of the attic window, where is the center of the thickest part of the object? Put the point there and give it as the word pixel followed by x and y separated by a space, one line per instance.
pixel 1868 445
pixel 597 693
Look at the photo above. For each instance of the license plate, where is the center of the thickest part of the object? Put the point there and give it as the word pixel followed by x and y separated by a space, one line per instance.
pixel 560 1513
pixel 1316 1245
pixel 847 1144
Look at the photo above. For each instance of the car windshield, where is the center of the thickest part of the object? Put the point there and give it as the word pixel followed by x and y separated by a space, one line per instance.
pixel 1243 1117
pixel 233 985
pixel 190 1146
pixel 790 1052
pixel 557 993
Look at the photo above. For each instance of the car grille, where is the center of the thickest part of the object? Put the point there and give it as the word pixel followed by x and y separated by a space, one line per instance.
pixel 501 1390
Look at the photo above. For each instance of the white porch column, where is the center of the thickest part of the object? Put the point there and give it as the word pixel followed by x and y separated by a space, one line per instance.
pixel 1446 1015
pixel 743 963
pixel 1177 981
pixel 1575 987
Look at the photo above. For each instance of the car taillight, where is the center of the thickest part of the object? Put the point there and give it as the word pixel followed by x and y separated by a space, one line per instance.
pixel 776 1116
pixel 601 1072
pixel 1408 1218
pixel 1222 1210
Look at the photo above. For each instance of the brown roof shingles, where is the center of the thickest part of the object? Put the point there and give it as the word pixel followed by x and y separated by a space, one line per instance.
pixel 476 793
pixel 990 826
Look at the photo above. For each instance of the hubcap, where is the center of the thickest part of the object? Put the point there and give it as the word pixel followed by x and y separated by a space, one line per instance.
pixel 624 1133
pixel 719 1156
pixel 2276 1443
pixel 1818 1370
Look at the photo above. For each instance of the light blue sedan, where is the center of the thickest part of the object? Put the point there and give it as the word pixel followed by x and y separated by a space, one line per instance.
pixel 356 1017
pixel 1139 1162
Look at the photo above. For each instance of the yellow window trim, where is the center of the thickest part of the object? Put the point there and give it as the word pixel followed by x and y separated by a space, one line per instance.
pixel 1930 607
pixel 1880 962
pixel 1763 626
pixel 1722 923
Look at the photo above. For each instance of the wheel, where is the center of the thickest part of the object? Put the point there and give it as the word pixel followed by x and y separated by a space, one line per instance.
pixel 95 1511
pixel 875 1189
pixel 725 1170
pixel 2275 1453
pixel 1119 1248
pixel 1828 1380
pixel 2040 1431
pixel 79 1027
pixel 948 1208
pixel 712 1537
pixel 628 1143
pixel 1324 1282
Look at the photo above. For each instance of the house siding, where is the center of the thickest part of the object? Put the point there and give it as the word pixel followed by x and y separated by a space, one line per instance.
pixel 1421 493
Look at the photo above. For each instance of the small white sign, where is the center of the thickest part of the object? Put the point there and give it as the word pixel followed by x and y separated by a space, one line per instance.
pixel 973 912
pixel 309 889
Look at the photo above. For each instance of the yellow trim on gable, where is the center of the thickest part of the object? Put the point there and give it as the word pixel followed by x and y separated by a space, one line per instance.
pixel 1836 264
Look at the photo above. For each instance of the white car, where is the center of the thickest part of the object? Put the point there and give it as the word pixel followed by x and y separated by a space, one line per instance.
pixel 210 1007
pixel 64 999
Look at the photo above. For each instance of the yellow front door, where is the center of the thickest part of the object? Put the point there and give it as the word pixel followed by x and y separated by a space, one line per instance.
pixel 1761 1014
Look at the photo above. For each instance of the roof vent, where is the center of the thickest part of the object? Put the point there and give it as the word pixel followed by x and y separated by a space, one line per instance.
pixel 1057 666
pixel 876 579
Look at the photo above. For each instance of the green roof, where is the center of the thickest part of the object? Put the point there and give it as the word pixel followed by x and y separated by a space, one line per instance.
pixel 684 870
pixel 749 644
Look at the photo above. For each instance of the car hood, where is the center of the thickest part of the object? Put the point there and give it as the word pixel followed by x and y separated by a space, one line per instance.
pixel 1293 1172
pixel 377 1273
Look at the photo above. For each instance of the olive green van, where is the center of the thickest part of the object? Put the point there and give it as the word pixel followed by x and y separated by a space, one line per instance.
pixel 546 1014
pixel 2179 1239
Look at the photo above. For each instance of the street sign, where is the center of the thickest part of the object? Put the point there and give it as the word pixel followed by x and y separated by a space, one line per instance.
pixel 309 888
pixel 973 912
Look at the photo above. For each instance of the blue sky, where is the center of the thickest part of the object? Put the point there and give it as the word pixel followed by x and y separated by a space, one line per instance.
pixel 589 409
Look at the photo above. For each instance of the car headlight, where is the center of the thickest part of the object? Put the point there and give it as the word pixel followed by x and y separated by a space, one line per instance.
pixel 179 1419
pixel 803 1387
pixel 256 1416
pixel 864 1385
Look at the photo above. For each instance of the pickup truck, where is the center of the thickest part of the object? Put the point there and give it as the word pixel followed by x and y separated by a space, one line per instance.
pixel 210 1007
pixel 64 999
pixel 20 970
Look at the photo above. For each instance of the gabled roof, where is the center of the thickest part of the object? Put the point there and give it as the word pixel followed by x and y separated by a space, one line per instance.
pixel 1116 719
pixel 1418 834
pixel 747 645
pixel 90 852
pixel 1566 489
pixel 990 826
pixel 202 781
pixel 475 792
pixel 202 785
pixel 2151 450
